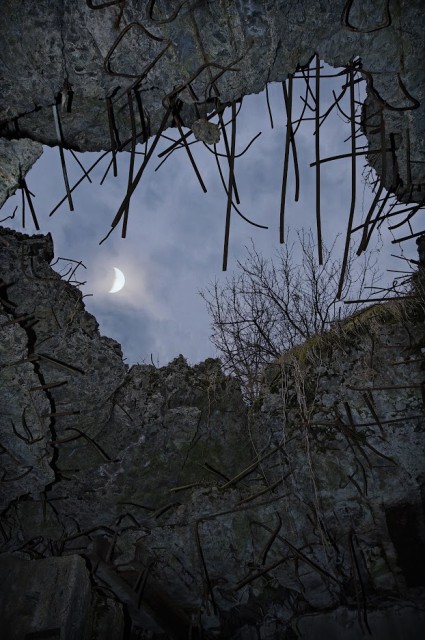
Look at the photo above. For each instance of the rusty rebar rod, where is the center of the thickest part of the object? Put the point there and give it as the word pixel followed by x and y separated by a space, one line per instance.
pixel 345 19
pixel 230 187
pixel 132 158
pixel 268 106
pixel 412 211
pixel 227 148
pixel 378 218
pixel 353 192
pixel 170 18
pixel 80 164
pixel 138 76
pixel 412 235
pixel 365 152
pixel 62 155
pixel 11 217
pixel 112 134
pixel 288 107
pixel 223 182
pixel 386 105
pixel 105 153
pixel 317 154
pixel 139 174
pixel 103 4
pixel 28 194
pixel 178 121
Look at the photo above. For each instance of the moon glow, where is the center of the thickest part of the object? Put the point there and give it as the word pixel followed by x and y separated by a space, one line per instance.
pixel 119 281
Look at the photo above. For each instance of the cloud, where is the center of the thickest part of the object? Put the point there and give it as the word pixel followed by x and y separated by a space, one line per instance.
pixel 175 233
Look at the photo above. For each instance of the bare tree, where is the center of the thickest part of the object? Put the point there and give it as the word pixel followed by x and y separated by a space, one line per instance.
pixel 269 306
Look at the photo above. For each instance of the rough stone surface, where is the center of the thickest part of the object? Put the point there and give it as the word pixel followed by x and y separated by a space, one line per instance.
pixel 51 379
pixel 58 590
pixel 300 517
pixel 53 48
pixel 208 132
pixel 16 159
pixel 395 621
pixel 53 599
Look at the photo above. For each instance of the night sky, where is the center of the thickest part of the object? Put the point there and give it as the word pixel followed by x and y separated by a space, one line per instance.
pixel 175 234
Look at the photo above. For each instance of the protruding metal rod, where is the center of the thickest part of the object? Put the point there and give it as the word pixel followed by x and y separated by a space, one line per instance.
pixel 353 189
pixel 226 145
pixel 105 153
pixel 114 142
pixel 230 187
pixel 317 153
pixel 27 193
pixel 366 236
pixel 62 155
pixel 291 133
pixel 178 122
pixel 139 174
pixel 287 95
pixel 132 157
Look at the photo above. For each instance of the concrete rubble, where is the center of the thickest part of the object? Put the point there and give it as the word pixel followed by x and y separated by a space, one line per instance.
pixel 200 53
pixel 298 517
pixel 150 502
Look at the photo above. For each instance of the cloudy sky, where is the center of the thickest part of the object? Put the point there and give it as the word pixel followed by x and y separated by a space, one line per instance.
pixel 175 232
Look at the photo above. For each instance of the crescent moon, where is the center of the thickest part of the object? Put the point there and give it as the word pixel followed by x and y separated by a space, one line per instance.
pixel 119 281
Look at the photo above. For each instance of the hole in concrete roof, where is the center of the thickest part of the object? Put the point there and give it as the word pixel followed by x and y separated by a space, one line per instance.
pixel 175 232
